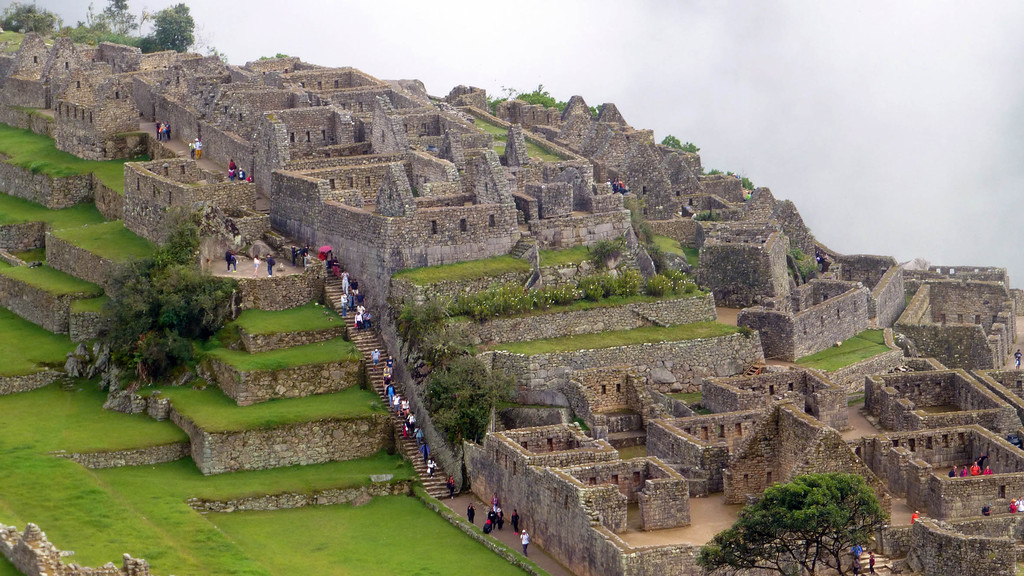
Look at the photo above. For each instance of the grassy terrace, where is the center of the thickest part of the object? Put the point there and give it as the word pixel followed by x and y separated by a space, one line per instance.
pixel 337 350
pixel 26 348
pixel 302 319
pixel 39 154
pixel 862 346
pixel 142 510
pixel 462 271
pixel 34 255
pixel 110 240
pixel 212 411
pixel 608 302
pixel 500 134
pixel 644 335
pixel 50 280
pixel 90 304
pixel 15 210
pixel 574 255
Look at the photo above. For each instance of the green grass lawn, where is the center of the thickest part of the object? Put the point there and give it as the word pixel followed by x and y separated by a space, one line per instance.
pixel 393 535
pixel 90 304
pixel 26 348
pixel 14 210
pixel 687 397
pixel 39 154
pixel 646 334
pixel 666 244
pixel 574 255
pixel 34 255
pixel 692 256
pixel 101 514
pixel 609 302
pixel 53 281
pixel 501 134
pixel 302 319
pixel 110 240
pixel 336 350
pixel 862 346
pixel 462 271
pixel 212 411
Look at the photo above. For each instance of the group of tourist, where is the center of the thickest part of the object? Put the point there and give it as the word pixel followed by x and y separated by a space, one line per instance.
pixel 231 259
pixel 195 149
pixel 619 187
pixel 975 469
pixel 163 131
pixel 235 172
pixel 857 551
pixel 496 520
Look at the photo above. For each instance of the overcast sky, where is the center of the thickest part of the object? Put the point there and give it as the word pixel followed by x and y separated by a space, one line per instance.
pixel 894 126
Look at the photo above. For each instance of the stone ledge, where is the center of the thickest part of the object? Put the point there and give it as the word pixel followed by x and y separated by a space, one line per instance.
pixel 130 457
pixel 289 500
pixel 78 262
pixel 247 388
pixel 24 383
pixel 265 342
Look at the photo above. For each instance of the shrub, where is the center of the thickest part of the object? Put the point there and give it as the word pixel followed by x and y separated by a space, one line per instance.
pixel 658 285
pixel 592 288
pixel 605 249
pixel 462 395
pixel 708 216
pixel 628 283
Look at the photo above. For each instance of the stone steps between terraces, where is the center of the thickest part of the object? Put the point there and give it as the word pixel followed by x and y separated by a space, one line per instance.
pixel 366 341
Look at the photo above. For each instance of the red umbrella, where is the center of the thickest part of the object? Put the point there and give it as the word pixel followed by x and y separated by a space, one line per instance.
pixel 325 249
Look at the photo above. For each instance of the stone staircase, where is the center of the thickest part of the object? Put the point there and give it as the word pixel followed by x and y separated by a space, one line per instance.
pixel 367 341
pixel 523 246
pixel 883 564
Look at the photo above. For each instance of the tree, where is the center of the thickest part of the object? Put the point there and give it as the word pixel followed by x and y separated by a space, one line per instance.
pixel 173 29
pixel 810 522
pixel 673 142
pixel 120 20
pixel 29 18
pixel 462 396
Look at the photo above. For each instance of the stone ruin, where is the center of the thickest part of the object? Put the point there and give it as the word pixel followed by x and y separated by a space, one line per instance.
pixel 31 553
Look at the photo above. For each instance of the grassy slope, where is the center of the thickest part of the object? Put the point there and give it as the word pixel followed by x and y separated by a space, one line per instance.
pixel 573 255
pixel 301 319
pixel 349 541
pixel 110 240
pixel 862 346
pixel 471 270
pixel 52 281
pixel 26 348
pixel 37 153
pixel 621 338
pixel 692 256
pixel 90 304
pixel 15 210
pixel 337 350
pixel 34 255
pixel 667 244
pixel 215 412
pixel 102 514
pixel 500 135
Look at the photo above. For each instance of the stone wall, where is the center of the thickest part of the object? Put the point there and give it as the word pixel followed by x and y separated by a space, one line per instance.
pixel 743 267
pixel 84 326
pixel 35 304
pixel 31 553
pixel 263 342
pixel 687 361
pixel 24 236
pixel 301 443
pixel 851 378
pixel 282 291
pixel 577 230
pixel 402 290
pixel 701 443
pixel 1008 385
pixel 26 382
pixel 936 549
pixel 290 500
pixel 54 193
pixel 27 120
pixel 131 457
pixel 247 388
pixel 79 262
pixel 887 298
pixel 809 389
pixel 789 332
pixel 108 201
pixel 682 230
pixel 626 317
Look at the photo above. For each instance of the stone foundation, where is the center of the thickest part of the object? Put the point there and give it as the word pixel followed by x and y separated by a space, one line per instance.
pixel 54 193
pixel 35 304
pixel 281 292
pixel 263 342
pixel 15 384
pixel 133 457
pixel 79 262
pixel 289 500
pixel 24 236
pixel 247 388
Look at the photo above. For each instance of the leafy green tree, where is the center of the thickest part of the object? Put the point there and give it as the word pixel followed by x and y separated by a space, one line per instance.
pixel 274 57
pixel 173 29
pixel 806 525
pixel 119 18
pixel 30 18
pixel 462 396
pixel 673 142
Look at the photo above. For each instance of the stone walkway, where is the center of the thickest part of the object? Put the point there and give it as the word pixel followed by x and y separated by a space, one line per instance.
pixel 1018 344
pixel 506 536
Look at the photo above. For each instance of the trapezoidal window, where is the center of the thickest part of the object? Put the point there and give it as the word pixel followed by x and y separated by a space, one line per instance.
pixel 490 220
pixel 463 227
pixel 433 226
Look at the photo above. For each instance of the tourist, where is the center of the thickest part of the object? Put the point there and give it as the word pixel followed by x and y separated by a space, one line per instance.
pixel 375 357
pixel 487 526
pixel 975 469
pixel 871 563
pixel 963 472
pixel 159 131
pixel 1020 505
pixel 501 517
pixel 344 305
pixel 1016 359
pixel 255 265
pixel 270 265
pixel 229 257
pixel 367 320
pixel 1013 506
pixel 167 132
pixel 494 501
pixel 242 177
pixel 987 472
pixel 359 321
pixel 525 539
pixel 390 362
pixel 396 402
pixel 231 174
pixel 492 517
pixel 412 421
pixel 857 550
pixel 952 472
pixel 295 252
pixel 192 150
pixel 450 485
pixel 390 391
pixel 986 510
pixel 981 460
pixel 231 166
pixel 425 450
pixel 914 516
pixel 470 512
pixel 515 521
pixel 419 437
pixel 344 283
pixel 431 465
pixel 199 149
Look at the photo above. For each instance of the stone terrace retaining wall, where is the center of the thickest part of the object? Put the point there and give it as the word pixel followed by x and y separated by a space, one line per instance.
pixel 289 500
pixel 263 342
pixel 84 326
pixel 626 317
pixel 569 231
pixel 108 201
pixel 78 262
pixel 402 290
pixel 688 361
pixel 15 384
pixel 247 388
pixel 682 230
pixel 31 553
pixel 328 440
pixel 27 120
pixel 936 549
pixel 54 193
pixel 24 236
pixel 281 292
pixel 134 457
pixel 35 304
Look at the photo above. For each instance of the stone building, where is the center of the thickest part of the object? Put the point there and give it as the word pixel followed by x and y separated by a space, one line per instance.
pixel 743 264
pixel 810 389
pixel 884 277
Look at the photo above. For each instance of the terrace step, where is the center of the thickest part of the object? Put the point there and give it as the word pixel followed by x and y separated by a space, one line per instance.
pixel 523 246
pixel 366 342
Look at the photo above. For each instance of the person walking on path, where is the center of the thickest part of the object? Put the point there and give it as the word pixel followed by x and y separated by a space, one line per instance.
pixel 230 259
pixel 199 149
pixel 270 265
pixel 871 563
pixel 450 485
pixel 255 265
pixel 515 521
pixel 1016 359
pixel 425 450
pixel 470 512
pixel 375 356
pixel 192 149
pixel 525 539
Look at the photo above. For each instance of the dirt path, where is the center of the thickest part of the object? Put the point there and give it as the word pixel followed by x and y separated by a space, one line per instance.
pixel 861 426
pixel 507 536
pixel 1018 344
pixel 708 516
pixel 727 315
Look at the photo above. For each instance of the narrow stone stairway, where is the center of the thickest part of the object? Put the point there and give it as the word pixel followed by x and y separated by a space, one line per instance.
pixel 367 341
